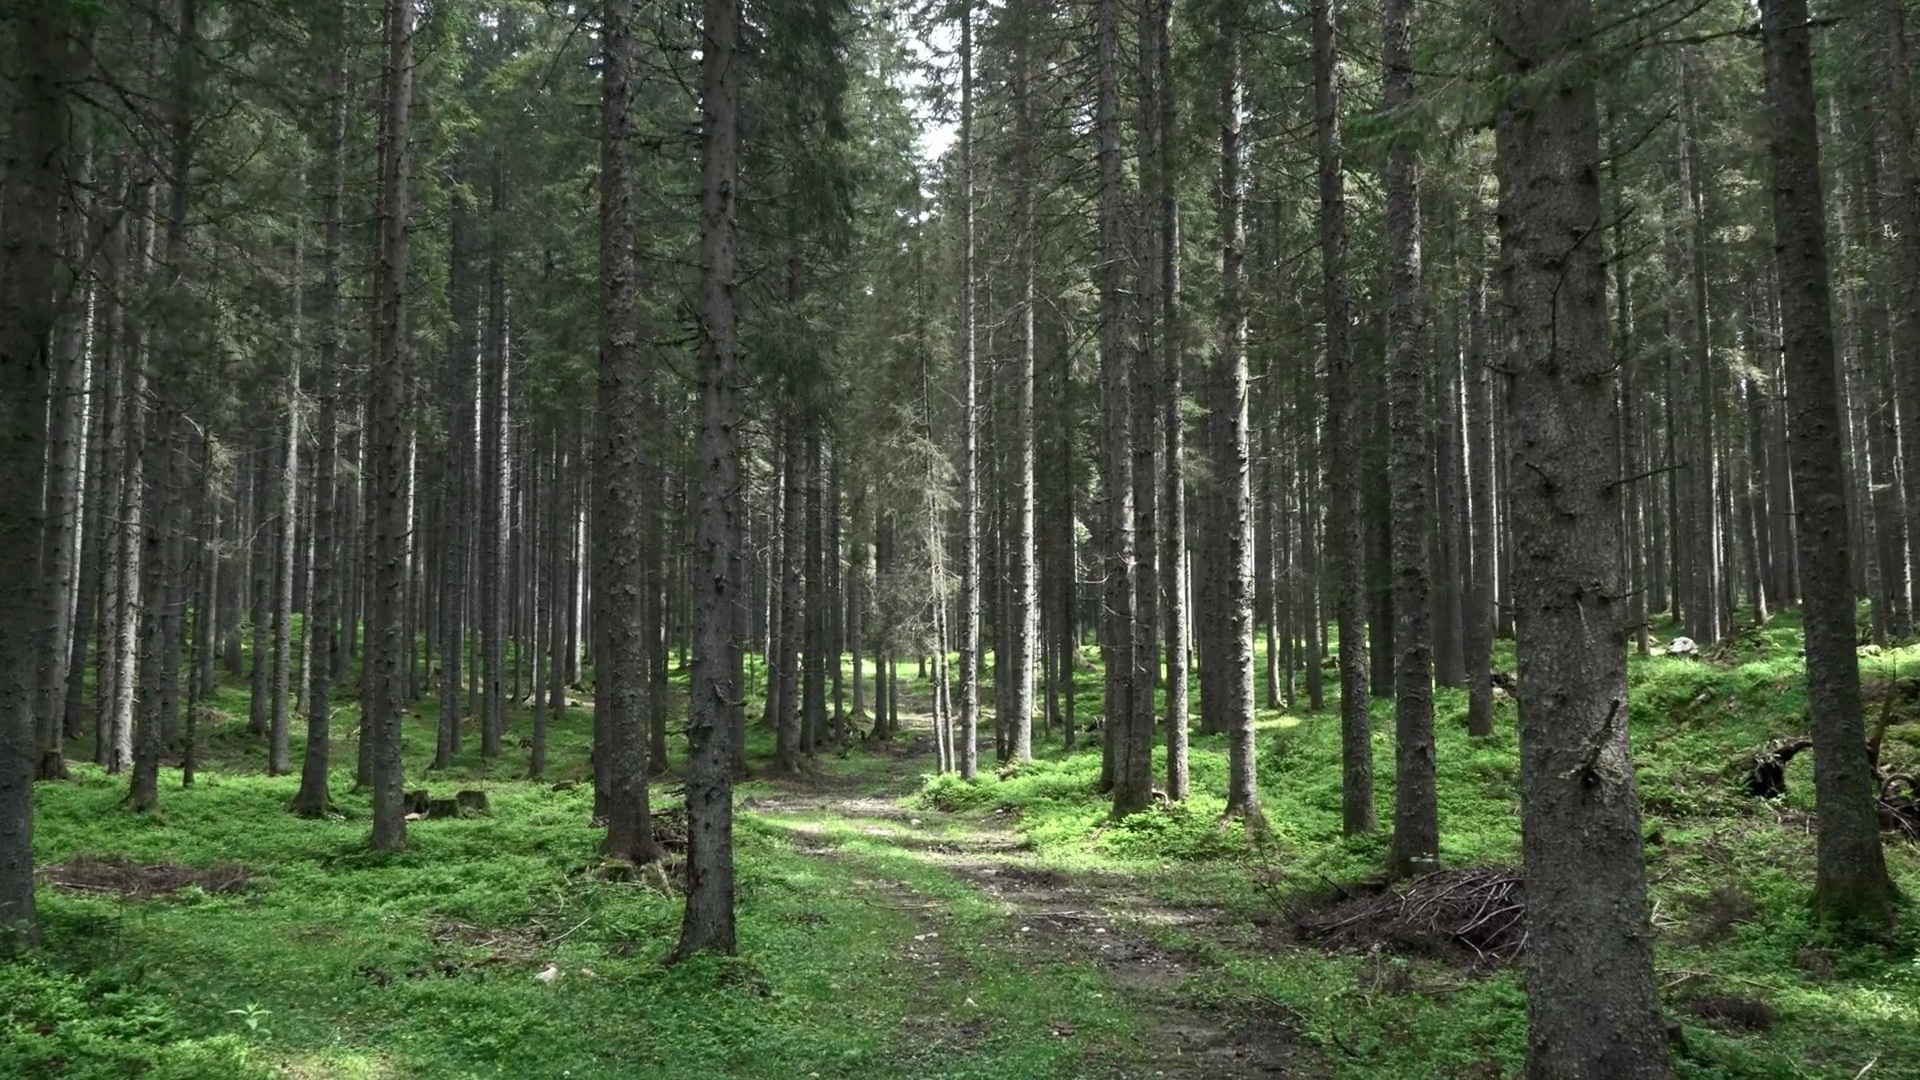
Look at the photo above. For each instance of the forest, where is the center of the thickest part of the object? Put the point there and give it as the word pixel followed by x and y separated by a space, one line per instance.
pixel 960 539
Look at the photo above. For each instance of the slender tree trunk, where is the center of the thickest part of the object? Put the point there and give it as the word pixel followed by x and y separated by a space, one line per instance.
pixel 1416 815
pixel 709 920
pixel 279 759
pixel 313 798
pixel 1231 467
pixel 390 438
pixel 969 705
pixel 1132 786
pixel 1851 884
pixel 814 692
pixel 1024 611
pixel 793 553
pixel 495 485
pixel 1173 498
pixel 1346 524
pixel 265 522
pixel 1481 618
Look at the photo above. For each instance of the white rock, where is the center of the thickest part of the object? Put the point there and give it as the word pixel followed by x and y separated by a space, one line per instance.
pixel 1683 646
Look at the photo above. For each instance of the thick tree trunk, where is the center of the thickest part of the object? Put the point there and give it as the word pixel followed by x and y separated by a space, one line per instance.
pixel 1593 1008
pixel 32 173
pixel 1851 884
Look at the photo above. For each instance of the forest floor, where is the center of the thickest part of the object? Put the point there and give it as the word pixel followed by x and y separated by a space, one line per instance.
pixel 895 924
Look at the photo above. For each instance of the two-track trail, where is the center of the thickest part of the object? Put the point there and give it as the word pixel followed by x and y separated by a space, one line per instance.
pixel 1085 929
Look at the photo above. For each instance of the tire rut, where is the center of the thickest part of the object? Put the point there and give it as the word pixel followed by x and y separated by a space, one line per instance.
pixel 1054 916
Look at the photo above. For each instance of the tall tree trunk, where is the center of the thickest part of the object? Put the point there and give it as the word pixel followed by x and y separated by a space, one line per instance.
pixel 159 674
pixel 1851 884
pixel 1696 335
pixel 1416 815
pixel 792 560
pixel 1346 525
pixel 969 705
pixel 279 760
pixel 265 522
pixel 709 920
pixel 1132 787
pixel 1173 498
pixel 1232 477
pixel 389 439
pixel 314 799
pixel 1480 613
pixel 1024 611
pixel 1593 1009
pixel 814 693
pixel 32 173
pixel 1896 78
pixel 495 484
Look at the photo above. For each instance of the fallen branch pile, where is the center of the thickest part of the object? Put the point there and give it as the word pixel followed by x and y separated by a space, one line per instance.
pixel 1475 916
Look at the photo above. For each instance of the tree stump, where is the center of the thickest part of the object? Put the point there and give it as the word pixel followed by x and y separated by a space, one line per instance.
pixel 443 808
pixel 472 802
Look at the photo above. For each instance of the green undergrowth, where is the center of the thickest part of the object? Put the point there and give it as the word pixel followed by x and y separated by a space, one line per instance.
pixel 335 962
pixel 865 955
pixel 1729 875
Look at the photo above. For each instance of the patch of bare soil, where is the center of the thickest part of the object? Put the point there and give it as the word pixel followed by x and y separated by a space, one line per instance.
pixel 121 877
pixel 1473 917
pixel 1054 915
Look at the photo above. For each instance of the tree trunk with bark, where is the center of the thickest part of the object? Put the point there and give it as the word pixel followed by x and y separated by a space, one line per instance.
pixel 1593 1007
pixel 708 925
pixel 1851 885
pixel 1231 469
pixel 1346 525
pixel 389 439
pixel 1416 815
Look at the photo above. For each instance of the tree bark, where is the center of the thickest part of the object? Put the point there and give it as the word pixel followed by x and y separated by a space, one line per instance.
pixel 1024 610
pixel 969 704
pixel 313 799
pixel 1851 885
pixel 1416 815
pixel 1346 525
pixel 1232 472
pixel 387 647
pixel 1131 785
pixel 709 921
pixel 1593 1008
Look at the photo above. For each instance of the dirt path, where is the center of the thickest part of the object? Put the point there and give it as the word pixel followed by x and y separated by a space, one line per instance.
pixel 1053 917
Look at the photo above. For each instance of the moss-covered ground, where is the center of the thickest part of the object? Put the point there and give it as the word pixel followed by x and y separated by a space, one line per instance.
pixel 897 925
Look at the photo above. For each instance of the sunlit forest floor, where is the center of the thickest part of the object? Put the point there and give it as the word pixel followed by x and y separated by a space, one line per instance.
pixel 897 926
